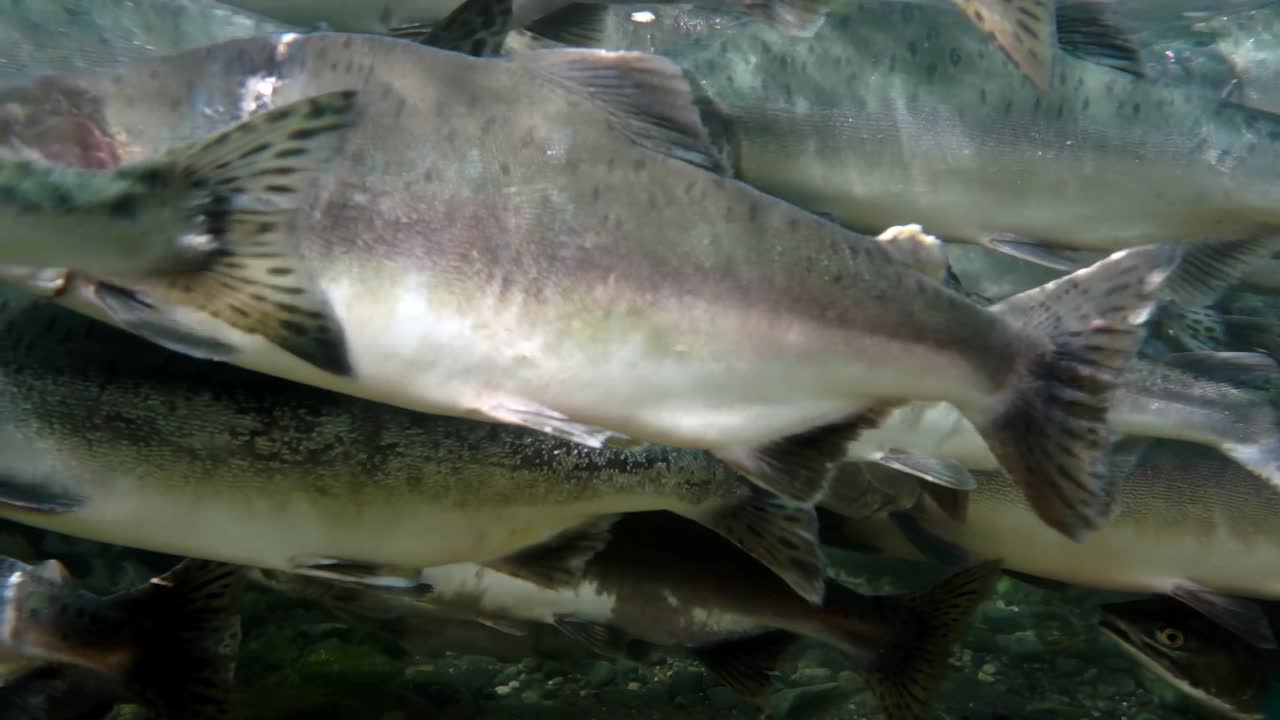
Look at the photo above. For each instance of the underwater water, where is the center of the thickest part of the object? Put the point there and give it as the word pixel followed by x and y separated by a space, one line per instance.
pixel 258 399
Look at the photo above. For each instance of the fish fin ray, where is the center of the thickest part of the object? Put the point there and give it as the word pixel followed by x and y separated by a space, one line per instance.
pixel 160 324
pixel 604 639
pixel 578 24
pixel 529 414
pixel 561 559
pixel 1085 31
pixel 248 180
pixel 747 665
pixel 1208 268
pixel 945 473
pixel 1259 333
pixel 510 627
pixel 1051 434
pixel 779 534
pixel 861 489
pixel 357 572
pixel 29 494
pixel 647 96
pixel 1191 329
pixel 1242 616
pixel 1024 30
pixel 1227 367
pixel 186 664
pixel 799 467
pixel 793 18
pixel 932 623
pixel 476 27
pixel 1054 258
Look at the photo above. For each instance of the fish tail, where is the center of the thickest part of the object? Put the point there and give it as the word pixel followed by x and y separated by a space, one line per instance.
pixel 1049 431
pixel 189 640
pixel 244 185
pixel 925 628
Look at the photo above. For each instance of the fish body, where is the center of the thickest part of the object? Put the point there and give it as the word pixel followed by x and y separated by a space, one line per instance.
pixel 1193 654
pixel 249 470
pixel 892 113
pixel 170 645
pixel 613 287
pixel 663 581
pixel 1183 513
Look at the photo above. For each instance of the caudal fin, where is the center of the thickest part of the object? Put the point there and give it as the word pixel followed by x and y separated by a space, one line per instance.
pixel 188 640
pixel 923 629
pixel 1051 434
pixel 245 183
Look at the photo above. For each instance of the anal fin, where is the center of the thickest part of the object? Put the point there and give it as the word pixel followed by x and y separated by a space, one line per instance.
pixel 29 494
pixel 163 324
pixel 359 573
pixel 518 411
pixel 800 466
pixel 1241 616
pixel 781 535
pixel 1043 255
pixel 560 560
pixel 245 183
pixel 607 640
pixel 747 665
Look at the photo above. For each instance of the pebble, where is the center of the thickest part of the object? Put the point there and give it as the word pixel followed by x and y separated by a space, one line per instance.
pixel 722 698
pixel 601 674
pixel 1022 644
pixel 502 690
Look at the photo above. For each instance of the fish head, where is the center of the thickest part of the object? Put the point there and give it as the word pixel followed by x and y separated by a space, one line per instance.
pixel 1203 660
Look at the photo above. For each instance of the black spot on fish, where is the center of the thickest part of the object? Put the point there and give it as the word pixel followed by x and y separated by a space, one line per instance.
pixel 954 57
pixel 504 168
pixel 982 95
pixel 639 165
pixel 913 49
pixel 931 70
pixel 1137 109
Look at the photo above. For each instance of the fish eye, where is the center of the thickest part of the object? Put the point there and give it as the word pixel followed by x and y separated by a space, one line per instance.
pixel 1171 637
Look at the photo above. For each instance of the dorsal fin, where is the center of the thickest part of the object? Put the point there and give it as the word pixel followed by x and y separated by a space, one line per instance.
pixel 648 97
